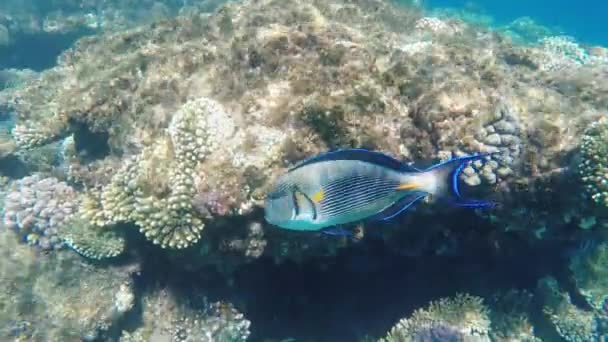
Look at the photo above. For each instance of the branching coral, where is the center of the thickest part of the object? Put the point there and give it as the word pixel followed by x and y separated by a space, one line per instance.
pixel 593 168
pixel 464 317
pixel 156 188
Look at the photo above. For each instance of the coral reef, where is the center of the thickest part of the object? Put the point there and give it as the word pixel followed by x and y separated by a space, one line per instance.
pixel 201 112
pixel 462 318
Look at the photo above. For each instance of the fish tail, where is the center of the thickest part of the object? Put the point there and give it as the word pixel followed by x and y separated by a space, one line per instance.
pixel 441 181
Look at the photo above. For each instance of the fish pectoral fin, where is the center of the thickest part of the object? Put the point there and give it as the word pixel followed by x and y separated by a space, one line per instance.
pixel 399 206
pixel 318 196
pixel 408 186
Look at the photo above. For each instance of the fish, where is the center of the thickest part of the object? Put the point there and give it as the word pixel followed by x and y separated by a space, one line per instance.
pixel 345 186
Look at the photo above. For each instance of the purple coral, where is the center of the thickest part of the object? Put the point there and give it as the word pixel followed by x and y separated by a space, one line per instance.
pixel 36 207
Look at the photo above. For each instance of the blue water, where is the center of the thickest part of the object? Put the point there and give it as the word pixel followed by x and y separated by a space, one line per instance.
pixel 584 20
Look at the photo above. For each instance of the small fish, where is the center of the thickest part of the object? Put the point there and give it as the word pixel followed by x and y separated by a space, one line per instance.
pixel 346 186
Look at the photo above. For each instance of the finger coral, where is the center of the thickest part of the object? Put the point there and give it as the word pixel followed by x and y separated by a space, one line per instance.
pixel 593 168
pixel 37 207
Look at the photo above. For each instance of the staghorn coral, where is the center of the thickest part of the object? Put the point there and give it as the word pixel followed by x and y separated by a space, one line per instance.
pixel 57 297
pixel 462 318
pixel 166 318
pixel 593 167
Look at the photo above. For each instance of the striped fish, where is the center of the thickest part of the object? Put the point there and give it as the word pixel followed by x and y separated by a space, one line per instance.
pixel 352 185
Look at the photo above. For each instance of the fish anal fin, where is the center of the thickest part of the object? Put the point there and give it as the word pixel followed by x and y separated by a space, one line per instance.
pixel 399 207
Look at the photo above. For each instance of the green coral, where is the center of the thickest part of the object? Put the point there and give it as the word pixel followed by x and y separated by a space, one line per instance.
pixel 594 166
pixel 590 272
pixel 464 316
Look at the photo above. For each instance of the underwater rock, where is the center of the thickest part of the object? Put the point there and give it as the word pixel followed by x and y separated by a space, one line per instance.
pixel 571 323
pixel 57 297
pixel 589 270
pixel 166 318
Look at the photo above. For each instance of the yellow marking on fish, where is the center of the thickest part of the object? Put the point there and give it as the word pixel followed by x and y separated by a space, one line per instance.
pixel 409 186
pixel 318 196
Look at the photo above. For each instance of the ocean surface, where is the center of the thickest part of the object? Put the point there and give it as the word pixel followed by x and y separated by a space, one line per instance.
pixel 142 144
pixel 584 20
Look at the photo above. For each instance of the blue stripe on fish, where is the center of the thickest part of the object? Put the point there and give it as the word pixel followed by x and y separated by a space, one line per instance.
pixel 462 162
pixel 399 207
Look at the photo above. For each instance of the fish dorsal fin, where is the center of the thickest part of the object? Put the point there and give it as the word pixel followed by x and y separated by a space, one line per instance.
pixel 398 207
pixel 373 157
